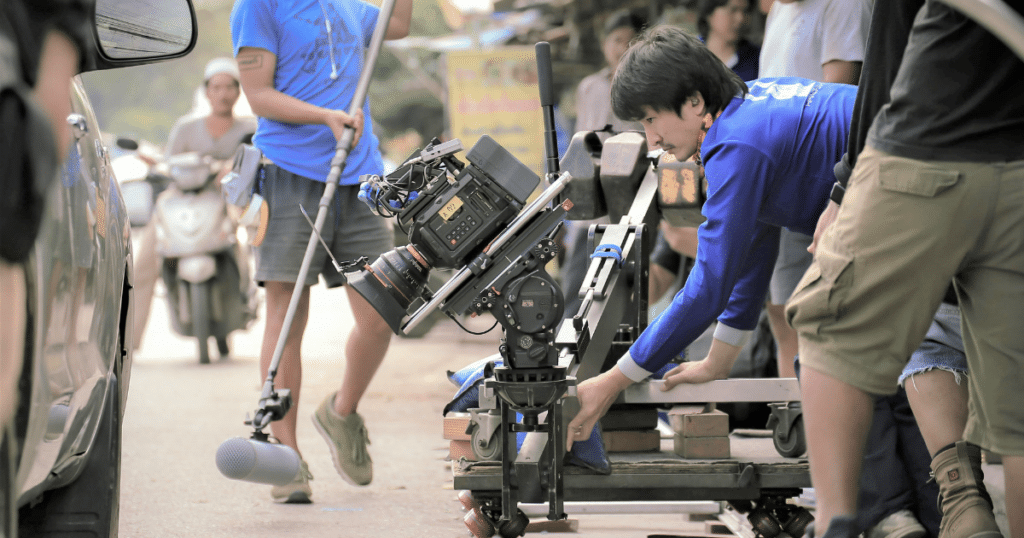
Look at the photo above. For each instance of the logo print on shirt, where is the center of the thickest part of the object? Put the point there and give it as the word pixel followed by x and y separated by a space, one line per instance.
pixel 781 91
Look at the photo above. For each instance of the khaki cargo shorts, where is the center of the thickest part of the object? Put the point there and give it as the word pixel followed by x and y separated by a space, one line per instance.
pixel 905 229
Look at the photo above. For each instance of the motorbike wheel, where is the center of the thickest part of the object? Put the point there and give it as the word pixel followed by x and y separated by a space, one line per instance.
pixel 222 346
pixel 201 323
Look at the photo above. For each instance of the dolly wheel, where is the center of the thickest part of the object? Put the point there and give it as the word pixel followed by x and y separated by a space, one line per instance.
pixel 467 500
pixel 515 527
pixel 796 442
pixel 478 525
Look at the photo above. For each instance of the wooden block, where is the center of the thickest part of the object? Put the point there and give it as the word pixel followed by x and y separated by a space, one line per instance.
pixel 460 449
pixel 694 421
pixel 455 427
pixel 632 441
pixel 635 418
pixel 701 447
pixel 546 525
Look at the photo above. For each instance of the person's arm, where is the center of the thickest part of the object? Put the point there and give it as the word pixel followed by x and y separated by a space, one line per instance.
pixel 596 396
pixel 717 365
pixel 57 64
pixel 682 239
pixel 841 72
pixel 844 37
pixel 256 67
pixel 401 20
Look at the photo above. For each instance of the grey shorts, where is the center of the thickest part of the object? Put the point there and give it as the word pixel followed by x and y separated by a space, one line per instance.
pixel 350 230
pixel 790 266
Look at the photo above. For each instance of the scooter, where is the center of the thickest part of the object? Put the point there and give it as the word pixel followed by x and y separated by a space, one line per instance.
pixel 205 267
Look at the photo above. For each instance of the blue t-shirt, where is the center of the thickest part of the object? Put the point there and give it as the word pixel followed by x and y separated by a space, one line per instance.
pixel 768 161
pixel 296 33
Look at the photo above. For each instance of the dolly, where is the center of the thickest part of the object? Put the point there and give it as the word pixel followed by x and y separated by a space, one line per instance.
pixel 612 315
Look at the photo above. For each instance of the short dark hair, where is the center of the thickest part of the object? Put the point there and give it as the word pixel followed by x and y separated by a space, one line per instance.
pixel 622 18
pixel 663 67
pixel 704 10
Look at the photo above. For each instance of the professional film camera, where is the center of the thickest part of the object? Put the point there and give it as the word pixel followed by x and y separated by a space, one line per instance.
pixel 473 217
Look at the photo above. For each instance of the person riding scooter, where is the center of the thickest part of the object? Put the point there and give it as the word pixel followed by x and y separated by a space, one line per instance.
pixel 214 135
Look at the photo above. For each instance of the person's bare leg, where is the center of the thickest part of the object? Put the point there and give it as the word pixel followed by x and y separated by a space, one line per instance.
pixel 289 370
pixel 12 336
pixel 659 282
pixel 785 339
pixel 1013 474
pixel 940 407
pixel 364 352
pixel 837 417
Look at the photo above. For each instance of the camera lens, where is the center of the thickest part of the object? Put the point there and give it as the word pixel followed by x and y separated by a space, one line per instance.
pixel 393 282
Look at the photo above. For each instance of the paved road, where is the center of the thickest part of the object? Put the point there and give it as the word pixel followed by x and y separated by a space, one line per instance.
pixel 179 412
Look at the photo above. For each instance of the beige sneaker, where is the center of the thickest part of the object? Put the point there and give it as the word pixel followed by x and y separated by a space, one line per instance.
pixel 297 491
pixel 347 438
pixel 900 524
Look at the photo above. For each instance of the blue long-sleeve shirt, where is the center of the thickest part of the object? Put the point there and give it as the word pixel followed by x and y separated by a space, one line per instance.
pixel 768 161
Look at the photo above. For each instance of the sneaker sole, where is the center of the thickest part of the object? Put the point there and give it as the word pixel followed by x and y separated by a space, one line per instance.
pixel 334 453
pixel 297 497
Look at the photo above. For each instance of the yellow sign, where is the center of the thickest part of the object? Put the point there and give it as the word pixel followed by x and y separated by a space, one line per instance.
pixel 494 92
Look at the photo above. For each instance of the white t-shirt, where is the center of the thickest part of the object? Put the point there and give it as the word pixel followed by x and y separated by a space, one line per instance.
pixel 801 36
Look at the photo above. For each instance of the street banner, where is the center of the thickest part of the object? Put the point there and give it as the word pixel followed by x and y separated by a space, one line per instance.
pixel 494 92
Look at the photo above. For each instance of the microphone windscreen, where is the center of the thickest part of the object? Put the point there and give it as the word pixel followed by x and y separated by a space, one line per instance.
pixel 257 461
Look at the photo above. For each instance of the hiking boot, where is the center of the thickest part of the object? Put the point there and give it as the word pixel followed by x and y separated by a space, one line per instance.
pixel 298 490
pixel 963 500
pixel 347 438
pixel 900 524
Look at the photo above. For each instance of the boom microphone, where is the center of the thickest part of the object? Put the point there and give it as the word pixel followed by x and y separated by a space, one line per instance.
pixel 257 461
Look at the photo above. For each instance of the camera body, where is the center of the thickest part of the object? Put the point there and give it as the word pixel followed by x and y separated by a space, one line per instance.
pixel 451 212
pixel 452 219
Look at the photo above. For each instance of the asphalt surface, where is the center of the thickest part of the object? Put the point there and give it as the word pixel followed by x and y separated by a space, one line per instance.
pixel 179 412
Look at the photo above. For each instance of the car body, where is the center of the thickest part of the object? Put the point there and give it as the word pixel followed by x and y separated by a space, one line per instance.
pixel 60 455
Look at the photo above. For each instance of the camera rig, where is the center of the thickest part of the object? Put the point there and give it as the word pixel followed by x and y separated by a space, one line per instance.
pixel 474 217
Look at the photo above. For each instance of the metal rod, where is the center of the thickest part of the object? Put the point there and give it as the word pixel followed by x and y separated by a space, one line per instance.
pixel 623 507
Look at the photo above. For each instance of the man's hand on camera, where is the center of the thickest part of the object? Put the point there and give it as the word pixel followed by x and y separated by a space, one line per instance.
pixel 596 395
pixel 338 120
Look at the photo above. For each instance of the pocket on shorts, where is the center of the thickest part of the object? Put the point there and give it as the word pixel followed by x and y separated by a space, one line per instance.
pixel 818 295
pixel 899 175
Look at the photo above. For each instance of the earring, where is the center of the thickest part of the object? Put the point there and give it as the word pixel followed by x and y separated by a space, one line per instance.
pixel 695 101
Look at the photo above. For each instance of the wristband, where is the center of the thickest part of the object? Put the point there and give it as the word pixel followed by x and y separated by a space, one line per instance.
pixel 837 193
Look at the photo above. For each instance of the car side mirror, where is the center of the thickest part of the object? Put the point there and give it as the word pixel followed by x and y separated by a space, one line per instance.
pixel 136 32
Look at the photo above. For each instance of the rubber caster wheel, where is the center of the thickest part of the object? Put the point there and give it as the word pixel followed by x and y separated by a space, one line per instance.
pixel 764 524
pixel 798 522
pixel 515 527
pixel 795 444
pixel 478 526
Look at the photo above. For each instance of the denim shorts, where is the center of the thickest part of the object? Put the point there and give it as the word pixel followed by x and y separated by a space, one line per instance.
pixel 351 230
pixel 942 348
